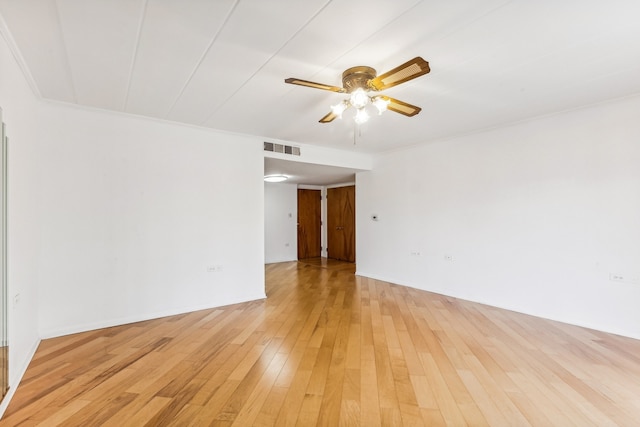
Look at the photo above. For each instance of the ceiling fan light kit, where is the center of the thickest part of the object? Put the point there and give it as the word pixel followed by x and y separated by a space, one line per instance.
pixel 362 83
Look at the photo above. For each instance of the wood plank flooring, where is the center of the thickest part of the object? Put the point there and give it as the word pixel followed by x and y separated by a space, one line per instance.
pixel 329 348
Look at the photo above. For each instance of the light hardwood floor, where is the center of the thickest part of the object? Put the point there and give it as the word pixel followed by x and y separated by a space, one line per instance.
pixel 329 348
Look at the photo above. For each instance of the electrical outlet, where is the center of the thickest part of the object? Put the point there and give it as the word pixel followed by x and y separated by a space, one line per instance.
pixel 619 277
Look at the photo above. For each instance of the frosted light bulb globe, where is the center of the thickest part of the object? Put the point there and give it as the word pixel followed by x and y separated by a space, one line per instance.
pixel 381 104
pixel 338 109
pixel 361 116
pixel 359 98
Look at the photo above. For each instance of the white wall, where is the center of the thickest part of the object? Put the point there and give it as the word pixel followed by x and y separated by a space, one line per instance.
pixel 114 218
pixel 280 222
pixel 535 217
pixel 22 117
pixel 137 212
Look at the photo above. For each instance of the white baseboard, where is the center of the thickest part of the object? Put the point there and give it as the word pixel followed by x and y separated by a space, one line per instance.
pixel 279 260
pixel 421 286
pixel 14 380
pixel 58 332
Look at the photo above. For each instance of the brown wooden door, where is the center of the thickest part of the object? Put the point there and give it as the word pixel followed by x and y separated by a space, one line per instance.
pixel 341 223
pixel 309 240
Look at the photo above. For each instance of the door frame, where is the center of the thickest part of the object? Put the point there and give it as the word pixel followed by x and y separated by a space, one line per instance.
pixel 302 244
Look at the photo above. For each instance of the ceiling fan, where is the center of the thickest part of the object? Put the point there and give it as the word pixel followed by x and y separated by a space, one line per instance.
pixel 362 83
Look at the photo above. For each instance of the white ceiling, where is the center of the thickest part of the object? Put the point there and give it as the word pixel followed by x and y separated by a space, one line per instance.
pixel 308 173
pixel 222 63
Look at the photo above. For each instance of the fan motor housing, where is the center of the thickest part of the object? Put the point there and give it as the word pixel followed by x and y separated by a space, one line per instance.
pixel 357 78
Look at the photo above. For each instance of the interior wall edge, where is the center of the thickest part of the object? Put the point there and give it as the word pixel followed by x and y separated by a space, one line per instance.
pixel 14 379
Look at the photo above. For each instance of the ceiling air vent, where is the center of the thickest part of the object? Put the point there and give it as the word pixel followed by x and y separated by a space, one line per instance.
pixel 281 148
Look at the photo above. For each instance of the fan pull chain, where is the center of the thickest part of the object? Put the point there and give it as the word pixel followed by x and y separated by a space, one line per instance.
pixel 355 129
pixel 357 132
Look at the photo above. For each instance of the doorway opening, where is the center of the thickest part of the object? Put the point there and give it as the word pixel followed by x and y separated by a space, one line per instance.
pixel 300 219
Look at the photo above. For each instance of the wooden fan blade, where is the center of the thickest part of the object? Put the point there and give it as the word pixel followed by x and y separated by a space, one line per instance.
pixel 307 83
pixel 328 118
pixel 401 107
pixel 405 72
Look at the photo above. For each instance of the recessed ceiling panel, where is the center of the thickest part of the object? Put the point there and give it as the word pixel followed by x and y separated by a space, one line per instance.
pixel 174 37
pixel 100 40
pixel 35 28
pixel 252 36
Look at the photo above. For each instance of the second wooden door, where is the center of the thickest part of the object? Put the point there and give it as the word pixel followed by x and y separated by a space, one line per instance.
pixel 341 223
